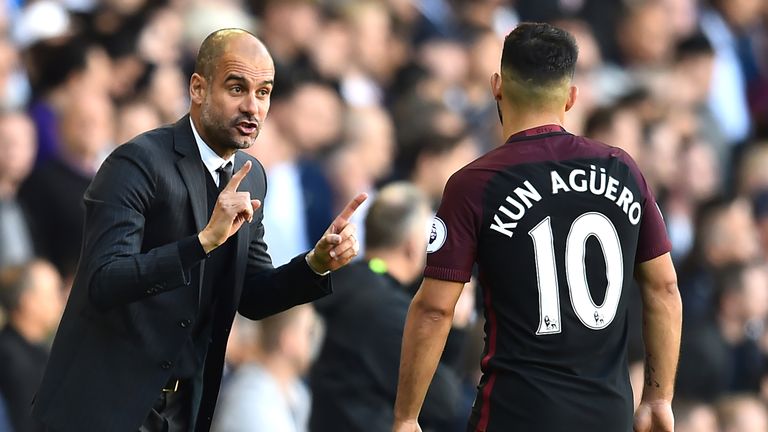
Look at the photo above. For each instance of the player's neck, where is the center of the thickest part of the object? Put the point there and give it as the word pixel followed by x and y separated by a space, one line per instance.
pixel 517 122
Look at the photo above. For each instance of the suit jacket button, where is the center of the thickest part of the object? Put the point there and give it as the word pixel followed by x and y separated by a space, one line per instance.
pixel 166 364
pixel 185 323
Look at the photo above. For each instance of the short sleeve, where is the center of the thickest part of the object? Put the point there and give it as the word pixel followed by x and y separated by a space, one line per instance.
pixel 452 246
pixel 653 240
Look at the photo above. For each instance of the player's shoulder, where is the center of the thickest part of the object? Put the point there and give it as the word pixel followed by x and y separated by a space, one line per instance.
pixel 604 150
pixel 473 176
pixel 608 151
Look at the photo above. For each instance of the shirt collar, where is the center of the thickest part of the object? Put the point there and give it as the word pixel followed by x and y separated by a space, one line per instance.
pixel 211 160
pixel 538 132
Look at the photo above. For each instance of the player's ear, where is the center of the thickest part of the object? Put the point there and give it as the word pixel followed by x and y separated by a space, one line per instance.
pixel 573 93
pixel 496 86
pixel 197 88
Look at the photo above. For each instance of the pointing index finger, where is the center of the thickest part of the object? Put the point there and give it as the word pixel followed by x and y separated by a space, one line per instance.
pixel 349 210
pixel 234 182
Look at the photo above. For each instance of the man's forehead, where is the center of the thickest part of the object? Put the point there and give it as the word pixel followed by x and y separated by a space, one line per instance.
pixel 258 69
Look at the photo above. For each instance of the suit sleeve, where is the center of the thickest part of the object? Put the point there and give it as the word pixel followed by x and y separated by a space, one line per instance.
pixel 117 203
pixel 268 290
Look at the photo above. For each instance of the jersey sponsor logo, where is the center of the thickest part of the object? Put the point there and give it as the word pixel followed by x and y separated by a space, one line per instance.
pixel 437 235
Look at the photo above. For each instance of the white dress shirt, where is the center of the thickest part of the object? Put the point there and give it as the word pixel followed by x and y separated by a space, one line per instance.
pixel 211 160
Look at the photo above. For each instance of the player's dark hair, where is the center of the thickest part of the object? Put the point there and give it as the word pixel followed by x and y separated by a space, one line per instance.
pixel 390 219
pixel 539 54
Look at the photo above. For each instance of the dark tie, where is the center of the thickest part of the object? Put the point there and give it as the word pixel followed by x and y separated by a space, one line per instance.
pixel 225 175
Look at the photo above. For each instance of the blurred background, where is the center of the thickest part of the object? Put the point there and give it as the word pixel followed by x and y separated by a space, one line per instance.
pixel 374 91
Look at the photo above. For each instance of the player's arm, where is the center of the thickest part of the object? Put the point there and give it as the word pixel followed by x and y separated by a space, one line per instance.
pixel 426 329
pixel 662 320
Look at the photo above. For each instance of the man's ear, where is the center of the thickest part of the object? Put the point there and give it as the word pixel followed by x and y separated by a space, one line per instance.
pixel 496 86
pixel 197 89
pixel 573 93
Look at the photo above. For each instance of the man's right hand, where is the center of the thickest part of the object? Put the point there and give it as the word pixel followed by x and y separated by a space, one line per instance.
pixel 654 417
pixel 232 209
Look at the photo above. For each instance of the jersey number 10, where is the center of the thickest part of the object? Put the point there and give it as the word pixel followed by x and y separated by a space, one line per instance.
pixel 593 316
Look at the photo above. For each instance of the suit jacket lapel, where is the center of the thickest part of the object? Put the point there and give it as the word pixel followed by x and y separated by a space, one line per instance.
pixel 192 171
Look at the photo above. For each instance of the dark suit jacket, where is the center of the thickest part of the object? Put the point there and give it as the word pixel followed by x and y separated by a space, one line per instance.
pixel 132 302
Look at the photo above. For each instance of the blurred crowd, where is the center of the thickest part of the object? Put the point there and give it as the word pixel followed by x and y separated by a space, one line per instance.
pixel 372 92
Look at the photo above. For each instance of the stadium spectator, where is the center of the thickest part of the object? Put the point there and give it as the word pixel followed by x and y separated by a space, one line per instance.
pixel 752 177
pixel 5 421
pixel 363 160
pixel 354 381
pixel 760 207
pixel 742 413
pixel 14 88
pixel 695 417
pixel 167 92
pixel 724 234
pixel 17 153
pixel 616 124
pixel 60 72
pixel 56 187
pixel 431 161
pixel 133 118
pixel 723 24
pixel 243 345
pixel 32 296
pixel 308 119
pixel 724 354
pixel 265 393
pixel 645 38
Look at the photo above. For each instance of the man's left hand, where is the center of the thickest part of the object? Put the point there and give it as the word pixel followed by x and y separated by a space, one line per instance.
pixel 338 245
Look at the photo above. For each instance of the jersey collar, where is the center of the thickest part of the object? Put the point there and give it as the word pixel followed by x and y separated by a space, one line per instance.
pixel 538 132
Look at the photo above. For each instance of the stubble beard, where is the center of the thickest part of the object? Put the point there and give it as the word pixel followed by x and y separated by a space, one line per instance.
pixel 221 132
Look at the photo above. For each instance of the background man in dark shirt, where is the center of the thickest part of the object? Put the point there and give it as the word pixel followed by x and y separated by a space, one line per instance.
pixel 31 295
pixel 558 225
pixel 173 247
pixel 354 380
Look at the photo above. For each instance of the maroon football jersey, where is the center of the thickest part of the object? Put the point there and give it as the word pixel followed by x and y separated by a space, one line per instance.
pixel 555 224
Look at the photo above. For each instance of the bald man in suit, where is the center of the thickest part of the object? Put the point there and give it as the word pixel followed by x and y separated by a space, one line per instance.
pixel 173 248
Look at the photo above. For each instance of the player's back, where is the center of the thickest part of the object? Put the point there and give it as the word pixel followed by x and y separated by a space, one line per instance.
pixel 557 230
